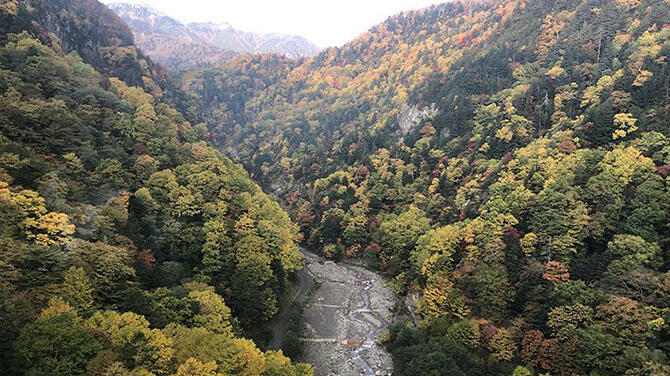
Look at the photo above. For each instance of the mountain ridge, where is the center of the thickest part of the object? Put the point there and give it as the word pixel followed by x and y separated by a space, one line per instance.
pixel 182 46
pixel 504 163
pixel 107 198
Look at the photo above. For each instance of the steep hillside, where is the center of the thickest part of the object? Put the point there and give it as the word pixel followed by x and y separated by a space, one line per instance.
pixel 99 37
pixel 178 55
pixel 505 162
pixel 223 91
pixel 199 45
pixel 128 245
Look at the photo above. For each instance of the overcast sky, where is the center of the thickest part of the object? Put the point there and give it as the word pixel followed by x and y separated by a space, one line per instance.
pixel 324 22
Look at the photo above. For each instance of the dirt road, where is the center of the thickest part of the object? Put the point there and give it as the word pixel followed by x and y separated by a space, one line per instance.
pixel 305 283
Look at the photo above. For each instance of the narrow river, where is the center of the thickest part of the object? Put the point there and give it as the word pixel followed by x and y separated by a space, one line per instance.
pixel 345 318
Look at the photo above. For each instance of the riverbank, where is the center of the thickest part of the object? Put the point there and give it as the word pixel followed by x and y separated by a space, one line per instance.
pixel 344 319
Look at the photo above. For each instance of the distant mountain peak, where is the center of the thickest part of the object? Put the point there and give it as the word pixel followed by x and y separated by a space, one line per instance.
pixel 211 25
pixel 140 8
pixel 181 46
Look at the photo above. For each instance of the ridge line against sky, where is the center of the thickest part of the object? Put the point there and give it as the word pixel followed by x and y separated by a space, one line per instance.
pixel 325 23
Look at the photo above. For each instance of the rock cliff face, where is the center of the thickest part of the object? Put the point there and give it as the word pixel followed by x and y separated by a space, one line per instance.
pixel 92 31
pixel 84 26
pixel 179 46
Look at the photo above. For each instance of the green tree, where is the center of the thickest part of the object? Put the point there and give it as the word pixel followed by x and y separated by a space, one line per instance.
pixel 213 314
pixel 56 345
pixel 564 321
pixel 108 267
pixel 502 346
pixel 398 234
pixel 233 356
pixel 435 250
pixel 492 291
pixel 129 335
pixel 193 367
pixel 77 290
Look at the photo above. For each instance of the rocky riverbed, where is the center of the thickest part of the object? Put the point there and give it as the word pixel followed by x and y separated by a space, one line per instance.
pixel 345 318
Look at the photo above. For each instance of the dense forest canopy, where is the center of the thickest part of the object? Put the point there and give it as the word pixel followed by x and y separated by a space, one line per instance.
pixel 505 163
pixel 128 245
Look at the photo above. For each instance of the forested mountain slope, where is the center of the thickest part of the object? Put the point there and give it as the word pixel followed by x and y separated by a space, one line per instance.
pixel 223 91
pixel 506 162
pixel 128 246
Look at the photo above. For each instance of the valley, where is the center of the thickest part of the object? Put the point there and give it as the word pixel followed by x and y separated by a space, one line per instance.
pixel 345 318
pixel 192 200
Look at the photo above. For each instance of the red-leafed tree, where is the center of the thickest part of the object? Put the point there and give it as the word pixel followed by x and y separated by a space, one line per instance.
pixel 555 272
pixel 147 258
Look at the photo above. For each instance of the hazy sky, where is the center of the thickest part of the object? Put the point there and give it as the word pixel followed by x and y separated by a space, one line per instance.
pixel 324 22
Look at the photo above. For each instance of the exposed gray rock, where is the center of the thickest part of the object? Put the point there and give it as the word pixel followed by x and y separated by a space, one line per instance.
pixel 410 116
pixel 345 319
